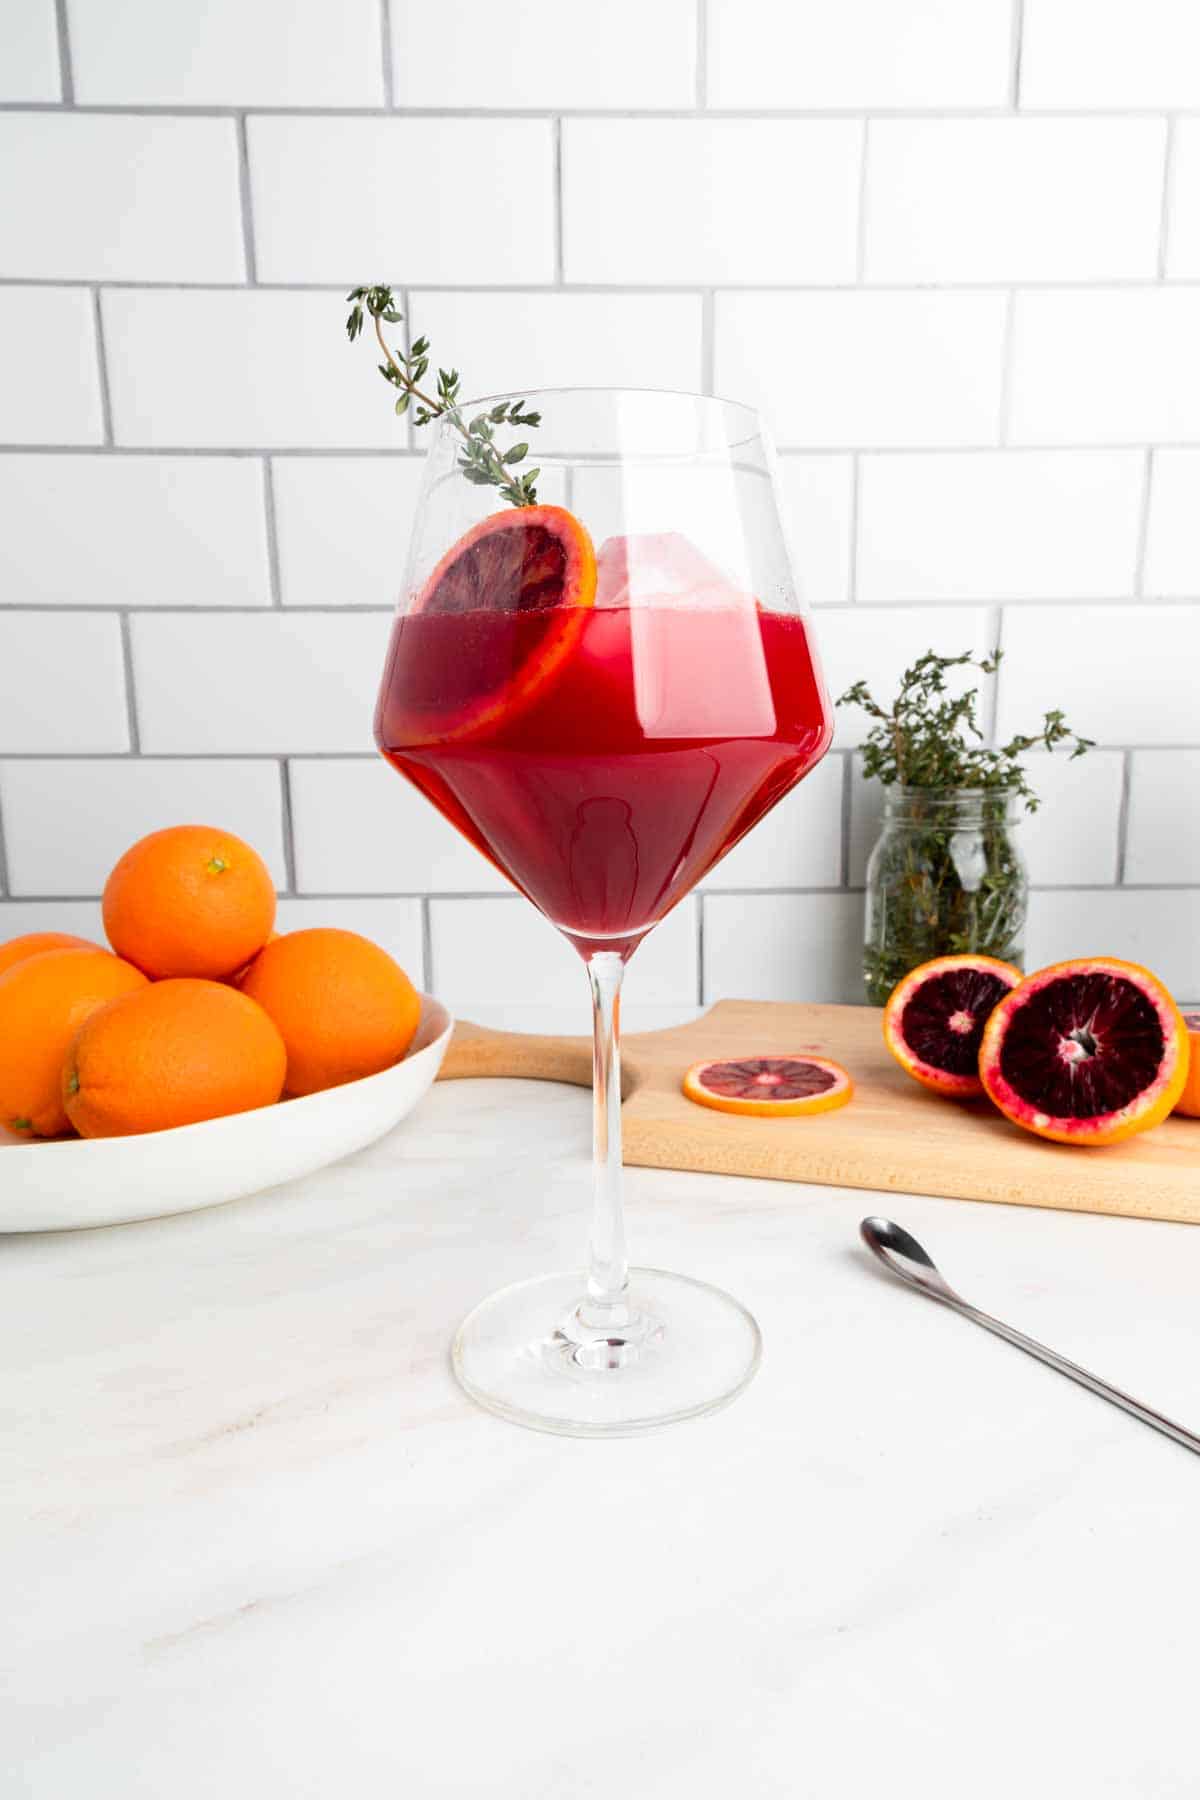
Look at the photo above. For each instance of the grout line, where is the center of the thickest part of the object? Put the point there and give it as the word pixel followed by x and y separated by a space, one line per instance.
pixel 209 450
pixel 4 882
pixel 860 242
pixel 404 300
pixel 819 609
pixel 385 46
pixel 1004 412
pixel 557 212
pixel 701 55
pixel 426 944
pixel 1016 52
pixel 1143 529
pixel 847 813
pixel 786 450
pixel 991 694
pixel 700 949
pixel 708 341
pixel 1123 817
pixel 711 893
pixel 827 609
pixel 66 68
pixel 271 524
pixel 1164 220
pixel 632 289
pixel 246 202
pixel 131 713
pixel 205 754
pixel 511 898
pixel 289 833
pixel 102 369
pixel 934 114
pixel 852 559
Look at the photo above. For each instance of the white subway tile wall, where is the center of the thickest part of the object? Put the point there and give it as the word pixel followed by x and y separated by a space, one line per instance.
pixel 1014 199
pixel 70 521
pixel 1183 227
pixel 866 369
pixel 112 801
pixel 711 200
pixel 1173 526
pixel 29 68
pixel 224 53
pixel 334 196
pixel 951 246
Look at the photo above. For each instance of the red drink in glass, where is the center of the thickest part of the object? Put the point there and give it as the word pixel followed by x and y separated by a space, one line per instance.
pixel 604 758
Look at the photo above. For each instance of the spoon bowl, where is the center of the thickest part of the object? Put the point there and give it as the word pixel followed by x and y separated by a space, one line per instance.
pixel 899 1251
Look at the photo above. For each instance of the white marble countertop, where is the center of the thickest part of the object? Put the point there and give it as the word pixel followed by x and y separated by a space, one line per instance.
pixel 255 1543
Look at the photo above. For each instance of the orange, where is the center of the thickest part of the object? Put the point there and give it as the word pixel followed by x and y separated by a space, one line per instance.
pixel 535 562
pixel 1188 1102
pixel 934 1019
pixel 171 1054
pixel 344 1006
pixel 770 1086
pixel 189 900
pixel 43 1002
pixel 18 948
pixel 1086 1052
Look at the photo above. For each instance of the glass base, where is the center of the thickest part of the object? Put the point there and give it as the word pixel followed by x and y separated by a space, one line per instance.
pixel 539 1355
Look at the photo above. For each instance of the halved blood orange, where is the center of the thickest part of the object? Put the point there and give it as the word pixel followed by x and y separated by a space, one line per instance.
pixel 536 566
pixel 934 1019
pixel 1188 1102
pixel 1086 1052
pixel 769 1086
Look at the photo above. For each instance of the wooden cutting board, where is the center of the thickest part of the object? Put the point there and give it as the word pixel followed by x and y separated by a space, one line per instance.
pixel 893 1135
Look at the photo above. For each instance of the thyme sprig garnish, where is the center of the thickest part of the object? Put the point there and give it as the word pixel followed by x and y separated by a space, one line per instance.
pixel 481 459
pixel 945 878
pixel 924 738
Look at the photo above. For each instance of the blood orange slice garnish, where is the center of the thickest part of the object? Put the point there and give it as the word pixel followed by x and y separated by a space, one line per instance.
pixel 535 564
pixel 1086 1052
pixel 769 1086
pixel 933 1022
pixel 1188 1102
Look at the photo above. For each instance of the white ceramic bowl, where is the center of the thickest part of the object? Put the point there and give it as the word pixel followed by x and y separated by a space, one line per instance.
pixel 74 1182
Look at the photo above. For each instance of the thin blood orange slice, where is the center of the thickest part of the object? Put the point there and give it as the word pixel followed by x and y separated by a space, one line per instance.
pixel 1188 1102
pixel 536 566
pixel 934 1019
pixel 1086 1052
pixel 769 1087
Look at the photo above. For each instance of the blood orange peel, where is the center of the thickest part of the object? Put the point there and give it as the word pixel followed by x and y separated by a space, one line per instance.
pixel 934 1020
pixel 1188 1102
pixel 1086 1052
pixel 536 563
pixel 769 1087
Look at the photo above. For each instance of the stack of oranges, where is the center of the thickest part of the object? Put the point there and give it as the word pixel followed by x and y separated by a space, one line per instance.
pixel 199 1009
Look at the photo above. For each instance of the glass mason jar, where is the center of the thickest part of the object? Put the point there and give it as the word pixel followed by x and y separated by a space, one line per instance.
pixel 946 876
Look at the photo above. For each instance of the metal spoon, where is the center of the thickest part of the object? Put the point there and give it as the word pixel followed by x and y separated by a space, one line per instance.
pixel 900 1252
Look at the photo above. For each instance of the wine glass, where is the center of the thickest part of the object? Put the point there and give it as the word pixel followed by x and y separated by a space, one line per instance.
pixel 604 692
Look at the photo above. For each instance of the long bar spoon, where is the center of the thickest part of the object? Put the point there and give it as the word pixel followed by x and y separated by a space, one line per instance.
pixel 900 1252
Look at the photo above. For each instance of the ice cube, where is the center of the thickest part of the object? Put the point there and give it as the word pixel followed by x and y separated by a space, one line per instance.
pixel 656 568
pixel 699 669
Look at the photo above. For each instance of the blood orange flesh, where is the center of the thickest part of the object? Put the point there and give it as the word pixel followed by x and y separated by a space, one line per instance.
pixel 532 566
pixel 1188 1102
pixel 934 1020
pixel 766 1085
pixel 1086 1052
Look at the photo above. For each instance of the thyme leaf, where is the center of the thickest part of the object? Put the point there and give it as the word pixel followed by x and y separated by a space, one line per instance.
pixel 481 460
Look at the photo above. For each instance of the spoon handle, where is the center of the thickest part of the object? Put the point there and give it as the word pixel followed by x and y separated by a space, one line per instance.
pixel 1093 1383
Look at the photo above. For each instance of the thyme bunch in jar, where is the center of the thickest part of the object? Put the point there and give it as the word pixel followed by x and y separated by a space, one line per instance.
pixel 946 875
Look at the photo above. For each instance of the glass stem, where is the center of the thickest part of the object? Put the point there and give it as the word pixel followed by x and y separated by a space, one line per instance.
pixel 608 1270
